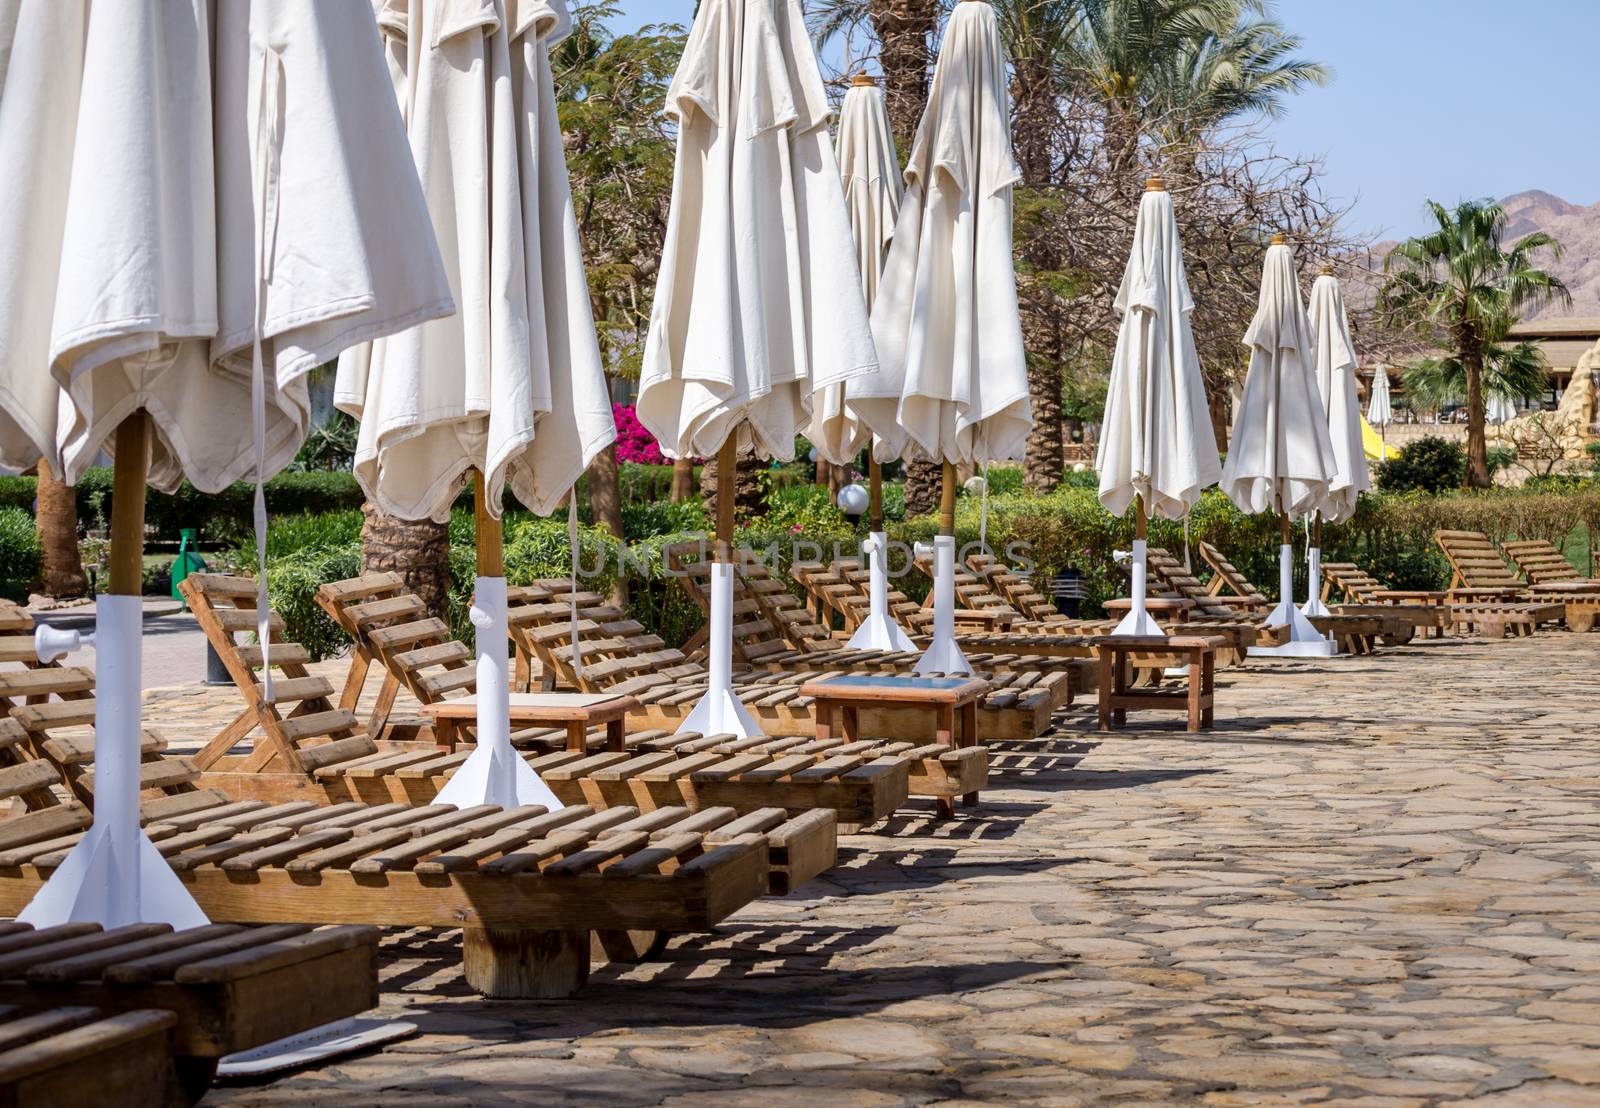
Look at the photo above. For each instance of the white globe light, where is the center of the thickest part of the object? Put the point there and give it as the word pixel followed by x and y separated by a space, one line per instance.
pixel 812 454
pixel 974 486
pixel 1081 467
pixel 853 500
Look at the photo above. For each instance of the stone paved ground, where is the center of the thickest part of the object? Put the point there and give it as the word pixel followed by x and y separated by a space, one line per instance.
pixel 1374 883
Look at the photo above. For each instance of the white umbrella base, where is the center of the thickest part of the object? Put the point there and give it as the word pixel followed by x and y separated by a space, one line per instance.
pixel 1304 640
pixel 943 657
pixel 331 1040
pixel 1138 622
pixel 879 631
pixel 113 880
pixel 721 713
pixel 495 776
pixel 1314 607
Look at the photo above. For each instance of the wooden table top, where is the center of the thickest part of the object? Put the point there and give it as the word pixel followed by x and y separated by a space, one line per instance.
pixel 1151 603
pixel 888 688
pixel 1160 642
pixel 543 707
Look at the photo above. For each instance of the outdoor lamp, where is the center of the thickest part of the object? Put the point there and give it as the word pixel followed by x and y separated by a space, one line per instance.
pixel 853 501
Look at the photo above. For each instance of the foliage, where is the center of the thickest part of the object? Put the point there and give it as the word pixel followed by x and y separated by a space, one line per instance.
pixel 18 492
pixel 19 553
pixel 799 508
pixel 222 517
pixel 663 517
pixel 1457 287
pixel 1428 464
pixel 1513 372
pixel 1501 457
pixel 634 442
pixel 330 446
pixel 611 92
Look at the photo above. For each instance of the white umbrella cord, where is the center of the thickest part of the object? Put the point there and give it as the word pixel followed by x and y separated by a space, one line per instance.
pixel 983 512
pixel 572 542
pixel 1188 565
pixel 267 145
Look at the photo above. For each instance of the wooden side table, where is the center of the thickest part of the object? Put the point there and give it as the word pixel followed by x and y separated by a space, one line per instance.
pixel 577 712
pixel 949 697
pixel 1177 607
pixel 1117 697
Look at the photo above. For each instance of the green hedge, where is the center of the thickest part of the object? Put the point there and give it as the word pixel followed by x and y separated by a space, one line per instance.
pixel 19 552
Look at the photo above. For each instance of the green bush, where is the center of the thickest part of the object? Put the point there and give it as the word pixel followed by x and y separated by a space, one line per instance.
pixel 222 517
pixel 18 492
pixel 292 584
pixel 19 553
pixel 1428 464
pixel 662 517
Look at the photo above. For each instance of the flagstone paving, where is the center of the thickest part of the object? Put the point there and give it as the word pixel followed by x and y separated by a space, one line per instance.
pixel 1374 883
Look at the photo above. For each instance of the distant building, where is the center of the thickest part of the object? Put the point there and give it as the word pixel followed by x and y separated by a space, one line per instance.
pixel 1563 342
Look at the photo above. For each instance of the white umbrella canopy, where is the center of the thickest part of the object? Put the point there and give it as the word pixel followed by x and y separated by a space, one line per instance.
pixel 870 172
pixel 758 302
pixel 1335 357
pixel 1156 441
pixel 1280 457
pixel 194 251
pixel 1499 408
pixel 512 388
pixel 953 381
pixel 1379 411
pixel 872 187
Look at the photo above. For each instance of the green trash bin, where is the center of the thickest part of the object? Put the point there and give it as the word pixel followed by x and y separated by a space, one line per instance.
pixel 188 560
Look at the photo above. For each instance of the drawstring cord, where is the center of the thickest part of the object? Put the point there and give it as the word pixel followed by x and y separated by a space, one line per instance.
pixel 572 541
pixel 266 158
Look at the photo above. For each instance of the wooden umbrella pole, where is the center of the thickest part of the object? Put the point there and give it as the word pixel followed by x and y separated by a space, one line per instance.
pixel 127 505
pixel 1141 518
pixel 490 538
pixel 1316 539
pixel 947 500
pixel 727 482
pixel 1284 532
pixel 874 492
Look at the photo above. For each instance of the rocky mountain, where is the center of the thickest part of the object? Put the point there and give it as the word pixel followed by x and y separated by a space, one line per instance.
pixel 1577 229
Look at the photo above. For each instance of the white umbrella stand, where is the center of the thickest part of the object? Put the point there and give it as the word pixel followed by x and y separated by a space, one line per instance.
pixel 720 711
pixel 878 631
pixel 1314 605
pixel 115 876
pixel 943 656
pixel 494 773
pixel 1157 452
pixel 1305 641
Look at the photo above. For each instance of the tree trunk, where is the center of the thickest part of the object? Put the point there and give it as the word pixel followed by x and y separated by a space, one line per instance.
pixel 904 30
pixel 924 481
pixel 682 480
pixel 747 487
pixel 605 506
pixel 1217 402
pixel 61 569
pixel 1477 443
pixel 1042 464
pixel 418 551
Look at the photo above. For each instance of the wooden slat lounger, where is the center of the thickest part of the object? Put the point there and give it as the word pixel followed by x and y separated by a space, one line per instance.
pixel 1356 632
pixel 68 1057
pixel 413 772
pixel 618 656
pixel 218 990
pixel 526 886
pixel 1425 611
pixel 774 632
pixel 1485 595
pixel 1542 564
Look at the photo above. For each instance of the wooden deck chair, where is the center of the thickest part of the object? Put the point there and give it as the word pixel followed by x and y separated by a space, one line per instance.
pixel 217 990
pixel 1228 585
pixel 1427 611
pixel 1210 615
pixel 1015 589
pixel 619 657
pixel 527 887
pixel 1541 563
pixel 1485 595
pixel 412 773
pixel 972 593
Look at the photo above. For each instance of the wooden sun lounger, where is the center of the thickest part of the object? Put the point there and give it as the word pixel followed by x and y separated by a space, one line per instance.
pixel 1356 632
pixel 1425 612
pixel 207 992
pixel 617 655
pixel 1552 578
pixel 526 886
pixel 780 637
pixel 1485 595
pixel 859 793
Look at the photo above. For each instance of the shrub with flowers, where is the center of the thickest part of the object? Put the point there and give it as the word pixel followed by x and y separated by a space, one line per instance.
pixel 634 443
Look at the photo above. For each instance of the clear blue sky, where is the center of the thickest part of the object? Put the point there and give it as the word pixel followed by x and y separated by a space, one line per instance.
pixel 1430 98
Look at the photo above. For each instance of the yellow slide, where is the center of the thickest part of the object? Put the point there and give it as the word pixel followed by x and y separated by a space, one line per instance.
pixel 1373 446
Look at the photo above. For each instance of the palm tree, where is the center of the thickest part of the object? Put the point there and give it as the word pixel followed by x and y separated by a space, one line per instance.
pixel 1458 287
pixel 1514 372
pixel 1241 67
pixel 56 517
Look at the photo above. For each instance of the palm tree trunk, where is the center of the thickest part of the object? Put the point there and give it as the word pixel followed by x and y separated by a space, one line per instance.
pixel 1477 443
pixel 1042 464
pixel 924 480
pixel 605 507
pixel 904 29
pixel 419 551
pixel 61 568
pixel 746 488
pixel 682 479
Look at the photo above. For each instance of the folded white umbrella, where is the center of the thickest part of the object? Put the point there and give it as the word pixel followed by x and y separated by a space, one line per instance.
pixel 209 224
pixel 1279 455
pixel 511 389
pixel 1157 450
pixel 1379 411
pixel 758 302
pixel 871 174
pixel 1500 408
pixel 952 384
pixel 1335 358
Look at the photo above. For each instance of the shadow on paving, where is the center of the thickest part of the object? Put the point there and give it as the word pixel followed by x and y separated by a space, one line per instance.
pixel 991 819
pixel 770 976
pixel 877 870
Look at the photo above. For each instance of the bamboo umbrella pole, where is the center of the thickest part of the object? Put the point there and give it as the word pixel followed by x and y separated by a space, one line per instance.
pixel 490 532
pixel 727 465
pixel 127 505
pixel 874 492
pixel 947 500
